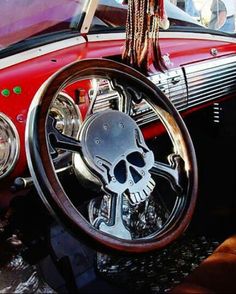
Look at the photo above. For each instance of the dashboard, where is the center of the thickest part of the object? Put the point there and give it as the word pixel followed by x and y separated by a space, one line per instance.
pixel 190 81
pixel 186 87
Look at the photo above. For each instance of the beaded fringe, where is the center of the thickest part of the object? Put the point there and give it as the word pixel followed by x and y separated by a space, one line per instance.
pixel 142 32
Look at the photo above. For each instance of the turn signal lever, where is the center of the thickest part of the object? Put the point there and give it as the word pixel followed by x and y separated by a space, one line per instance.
pixel 21 183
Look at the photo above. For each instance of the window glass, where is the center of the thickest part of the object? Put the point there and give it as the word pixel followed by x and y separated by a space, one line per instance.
pixel 22 19
pixel 218 15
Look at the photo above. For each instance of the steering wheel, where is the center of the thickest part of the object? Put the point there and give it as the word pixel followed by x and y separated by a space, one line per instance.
pixel 126 198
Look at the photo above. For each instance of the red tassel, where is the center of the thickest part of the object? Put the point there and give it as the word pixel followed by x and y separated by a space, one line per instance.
pixel 142 38
pixel 161 9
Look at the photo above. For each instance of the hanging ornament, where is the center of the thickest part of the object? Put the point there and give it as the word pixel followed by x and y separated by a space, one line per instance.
pixel 144 19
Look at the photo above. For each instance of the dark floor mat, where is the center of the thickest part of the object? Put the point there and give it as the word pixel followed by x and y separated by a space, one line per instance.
pixel 159 271
pixel 72 265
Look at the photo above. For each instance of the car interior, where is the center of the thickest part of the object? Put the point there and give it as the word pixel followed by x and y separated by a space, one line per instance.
pixel 115 176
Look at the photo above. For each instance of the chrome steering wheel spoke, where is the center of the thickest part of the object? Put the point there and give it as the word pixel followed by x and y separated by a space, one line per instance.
pixel 174 173
pixel 60 141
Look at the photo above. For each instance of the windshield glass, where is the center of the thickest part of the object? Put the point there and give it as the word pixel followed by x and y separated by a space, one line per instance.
pixel 216 15
pixel 22 19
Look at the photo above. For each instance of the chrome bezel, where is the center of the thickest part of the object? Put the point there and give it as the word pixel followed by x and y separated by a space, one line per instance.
pixel 76 120
pixel 15 152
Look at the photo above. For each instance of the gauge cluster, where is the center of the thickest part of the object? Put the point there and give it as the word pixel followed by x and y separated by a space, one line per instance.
pixel 9 145
pixel 67 115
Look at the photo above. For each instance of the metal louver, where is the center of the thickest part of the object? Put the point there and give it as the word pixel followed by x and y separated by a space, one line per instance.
pixel 210 80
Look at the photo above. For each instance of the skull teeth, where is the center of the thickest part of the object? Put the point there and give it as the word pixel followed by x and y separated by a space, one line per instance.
pixel 141 196
pixel 136 198
pixel 133 198
pixel 151 185
pixel 147 191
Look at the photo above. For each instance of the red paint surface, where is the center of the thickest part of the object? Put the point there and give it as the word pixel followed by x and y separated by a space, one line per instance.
pixel 31 74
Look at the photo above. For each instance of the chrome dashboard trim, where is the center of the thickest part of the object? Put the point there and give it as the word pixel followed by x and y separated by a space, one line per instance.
pixel 17 145
pixel 186 86
pixel 210 80
pixel 105 37
pixel 92 37
pixel 172 84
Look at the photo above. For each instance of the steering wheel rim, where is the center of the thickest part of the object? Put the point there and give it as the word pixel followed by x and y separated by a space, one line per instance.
pixel 44 176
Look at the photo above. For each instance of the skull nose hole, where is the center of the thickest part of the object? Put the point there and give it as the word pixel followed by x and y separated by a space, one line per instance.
pixel 120 172
pixel 136 159
pixel 136 176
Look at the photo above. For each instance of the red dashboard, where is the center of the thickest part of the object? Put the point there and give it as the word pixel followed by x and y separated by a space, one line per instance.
pixel 29 74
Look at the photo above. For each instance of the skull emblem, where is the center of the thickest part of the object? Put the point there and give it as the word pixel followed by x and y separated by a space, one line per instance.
pixel 129 172
pixel 117 152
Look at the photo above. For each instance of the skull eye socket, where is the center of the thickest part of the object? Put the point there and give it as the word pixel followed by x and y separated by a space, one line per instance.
pixel 120 172
pixel 135 175
pixel 136 159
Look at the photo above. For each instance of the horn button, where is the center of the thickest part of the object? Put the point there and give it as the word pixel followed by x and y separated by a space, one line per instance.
pixel 114 151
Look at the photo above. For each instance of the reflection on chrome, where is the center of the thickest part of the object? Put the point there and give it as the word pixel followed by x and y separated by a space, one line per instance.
pixel 9 145
pixel 66 114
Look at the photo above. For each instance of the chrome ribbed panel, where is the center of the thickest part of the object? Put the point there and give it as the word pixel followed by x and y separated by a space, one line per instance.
pixel 144 117
pixel 104 96
pixel 105 102
pixel 171 83
pixel 210 80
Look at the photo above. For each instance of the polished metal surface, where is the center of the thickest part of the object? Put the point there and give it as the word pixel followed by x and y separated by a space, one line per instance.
pixel 116 160
pixel 171 83
pixel 9 145
pixel 114 149
pixel 210 80
pixel 104 96
pixel 66 114
pixel 186 87
pixel 110 148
